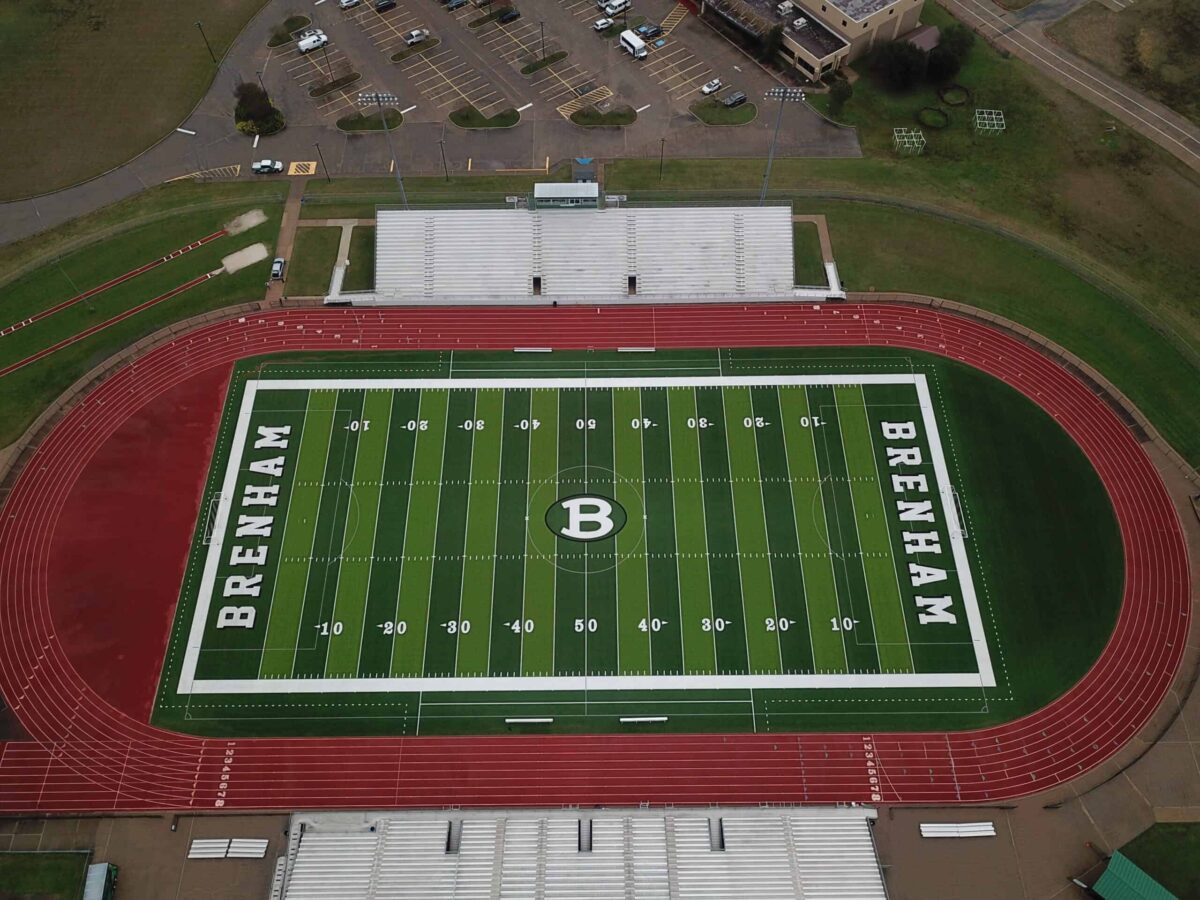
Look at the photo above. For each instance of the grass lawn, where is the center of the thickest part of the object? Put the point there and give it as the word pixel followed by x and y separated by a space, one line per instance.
pixel 359 122
pixel 806 252
pixel 313 258
pixel 44 876
pixel 711 111
pixel 360 276
pixel 1169 74
pixel 470 117
pixel 356 198
pixel 1107 199
pixel 282 33
pixel 1170 853
pixel 425 45
pixel 124 74
pixel 591 117
pixel 27 391
pixel 538 64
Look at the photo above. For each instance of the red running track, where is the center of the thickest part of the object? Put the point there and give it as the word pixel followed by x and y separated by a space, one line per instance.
pixel 88 755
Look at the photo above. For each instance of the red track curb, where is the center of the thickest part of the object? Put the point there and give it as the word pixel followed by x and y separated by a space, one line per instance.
pixel 86 755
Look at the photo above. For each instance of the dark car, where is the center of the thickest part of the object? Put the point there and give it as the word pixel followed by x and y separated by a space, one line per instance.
pixel 649 30
pixel 384 5
pixel 509 15
pixel 737 98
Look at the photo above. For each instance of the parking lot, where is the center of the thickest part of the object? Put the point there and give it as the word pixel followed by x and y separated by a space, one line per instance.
pixel 439 73
pixel 311 70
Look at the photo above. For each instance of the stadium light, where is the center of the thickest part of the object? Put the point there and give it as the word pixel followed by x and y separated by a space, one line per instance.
pixel 783 95
pixel 378 98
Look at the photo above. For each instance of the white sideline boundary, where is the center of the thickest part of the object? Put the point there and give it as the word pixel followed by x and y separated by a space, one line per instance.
pixel 984 677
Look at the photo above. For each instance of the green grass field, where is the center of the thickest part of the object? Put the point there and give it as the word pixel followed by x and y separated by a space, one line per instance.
pixel 74 62
pixel 719 539
pixel 45 876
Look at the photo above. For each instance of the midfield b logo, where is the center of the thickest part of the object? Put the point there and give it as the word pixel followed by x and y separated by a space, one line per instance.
pixel 584 517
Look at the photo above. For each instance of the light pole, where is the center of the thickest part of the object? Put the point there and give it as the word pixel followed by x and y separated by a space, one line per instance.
pixel 662 151
pixel 321 156
pixel 783 95
pixel 261 85
pixel 206 43
pixel 542 26
pixel 442 147
pixel 366 98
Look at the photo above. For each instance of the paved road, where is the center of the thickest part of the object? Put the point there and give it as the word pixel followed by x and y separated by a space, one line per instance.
pixel 366 44
pixel 1023 34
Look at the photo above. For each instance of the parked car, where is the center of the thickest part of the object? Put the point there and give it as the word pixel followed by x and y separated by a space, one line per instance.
pixel 602 24
pixel 456 4
pixel 509 15
pixel 348 4
pixel 266 167
pixel 648 31
pixel 737 98
pixel 416 36
pixel 616 7
pixel 384 5
pixel 311 40
pixel 711 87
pixel 277 268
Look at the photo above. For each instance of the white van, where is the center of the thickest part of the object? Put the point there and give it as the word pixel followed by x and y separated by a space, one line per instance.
pixel 313 41
pixel 634 44
pixel 616 7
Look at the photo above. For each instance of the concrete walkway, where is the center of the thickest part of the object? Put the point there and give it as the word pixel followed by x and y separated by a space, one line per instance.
pixel 277 290
pixel 1022 33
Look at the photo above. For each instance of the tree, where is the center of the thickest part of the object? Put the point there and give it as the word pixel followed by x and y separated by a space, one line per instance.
pixel 839 92
pixel 771 42
pixel 253 104
pixel 899 64
pixel 957 40
pixel 942 66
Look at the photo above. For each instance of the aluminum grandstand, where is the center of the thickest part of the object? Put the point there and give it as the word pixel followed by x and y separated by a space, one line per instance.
pixel 624 854
pixel 616 254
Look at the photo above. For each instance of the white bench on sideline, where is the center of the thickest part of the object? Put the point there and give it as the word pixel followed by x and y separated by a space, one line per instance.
pixel 957 829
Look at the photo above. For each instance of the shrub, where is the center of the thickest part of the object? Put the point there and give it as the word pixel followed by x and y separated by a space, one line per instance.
pixel 839 92
pixel 254 113
pixel 899 64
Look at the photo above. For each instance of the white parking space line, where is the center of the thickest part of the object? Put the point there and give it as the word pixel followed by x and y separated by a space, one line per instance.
pixel 187 131
pixel 642 108
pixel 523 108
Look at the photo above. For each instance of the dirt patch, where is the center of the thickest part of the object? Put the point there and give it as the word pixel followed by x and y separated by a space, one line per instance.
pixel 246 221
pixel 247 256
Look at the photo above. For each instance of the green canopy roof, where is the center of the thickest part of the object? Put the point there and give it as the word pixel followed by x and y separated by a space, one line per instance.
pixel 1123 880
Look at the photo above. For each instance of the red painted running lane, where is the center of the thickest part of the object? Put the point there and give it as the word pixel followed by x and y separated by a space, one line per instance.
pixel 113 282
pixel 130 515
pixel 87 753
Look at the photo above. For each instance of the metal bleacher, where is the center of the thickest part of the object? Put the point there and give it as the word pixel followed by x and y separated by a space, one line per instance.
pixel 815 854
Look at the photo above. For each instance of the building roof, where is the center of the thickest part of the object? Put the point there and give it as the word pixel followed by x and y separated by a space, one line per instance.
pixel 493 255
pixel 587 190
pixel 1125 880
pixel 924 37
pixel 860 9
pixel 633 854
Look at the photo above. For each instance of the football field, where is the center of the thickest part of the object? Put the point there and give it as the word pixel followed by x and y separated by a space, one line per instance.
pixel 520 536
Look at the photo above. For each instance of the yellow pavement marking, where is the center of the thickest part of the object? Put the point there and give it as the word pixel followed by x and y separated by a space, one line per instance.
pixel 593 96
pixel 674 17
pixel 302 168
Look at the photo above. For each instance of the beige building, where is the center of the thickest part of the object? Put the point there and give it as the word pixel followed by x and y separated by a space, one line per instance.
pixel 819 36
